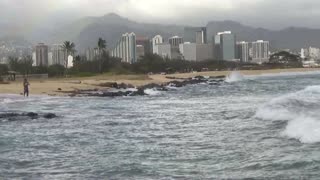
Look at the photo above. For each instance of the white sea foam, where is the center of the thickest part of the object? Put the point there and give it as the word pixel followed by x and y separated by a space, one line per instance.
pixel 12 99
pixel 300 109
pixel 171 86
pixel 234 77
pixel 305 129
pixel 124 90
pixel 152 92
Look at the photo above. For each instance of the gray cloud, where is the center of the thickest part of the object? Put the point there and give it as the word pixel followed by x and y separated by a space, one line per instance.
pixel 263 13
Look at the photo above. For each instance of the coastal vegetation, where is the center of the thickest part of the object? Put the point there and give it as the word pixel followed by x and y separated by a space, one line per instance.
pixel 150 63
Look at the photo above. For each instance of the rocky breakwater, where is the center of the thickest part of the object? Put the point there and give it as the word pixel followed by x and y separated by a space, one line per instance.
pixel 113 89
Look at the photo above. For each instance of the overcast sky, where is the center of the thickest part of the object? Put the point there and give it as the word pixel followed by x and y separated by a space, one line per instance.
pixel 274 14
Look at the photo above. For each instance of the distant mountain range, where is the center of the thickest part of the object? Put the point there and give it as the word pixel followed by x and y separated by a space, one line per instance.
pixel 86 31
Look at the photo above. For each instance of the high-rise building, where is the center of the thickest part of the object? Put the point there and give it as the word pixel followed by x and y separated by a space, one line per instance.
pixel 314 53
pixel 41 55
pixel 243 51
pixel 91 53
pixel 50 59
pixel 146 43
pixel 34 59
pixel 302 54
pixel 140 51
pixel 164 50
pixel 260 51
pixel 195 35
pixel 59 55
pixel 224 46
pixel 155 41
pixel 196 52
pixel 175 41
pixel 126 48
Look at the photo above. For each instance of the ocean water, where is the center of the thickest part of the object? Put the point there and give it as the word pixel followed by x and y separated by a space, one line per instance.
pixel 248 127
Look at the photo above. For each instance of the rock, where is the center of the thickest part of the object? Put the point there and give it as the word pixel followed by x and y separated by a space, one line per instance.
pixel 59 89
pixel 199 77
pixel 130 86
pixel 49 116
pixel 122 86
pixel 150 86
pixel 109 84
pixel 177 84
pixel 139 92
pixel 32 115
pixel 217 77
pixel 116 85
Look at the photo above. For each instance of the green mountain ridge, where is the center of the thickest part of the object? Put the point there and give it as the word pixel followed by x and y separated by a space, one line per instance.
pixel 86 31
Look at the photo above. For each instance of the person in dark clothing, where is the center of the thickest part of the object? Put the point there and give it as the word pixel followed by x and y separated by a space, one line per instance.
pixel 26 85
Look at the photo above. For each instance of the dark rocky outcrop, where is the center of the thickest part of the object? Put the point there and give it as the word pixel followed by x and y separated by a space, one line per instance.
pixel 158 87
pixel 213 80
pixel 49 116
pixel 12 116
pixel 32 115
pixel 116 85
pixel 124 88
pixel 139 92
pixel 109 85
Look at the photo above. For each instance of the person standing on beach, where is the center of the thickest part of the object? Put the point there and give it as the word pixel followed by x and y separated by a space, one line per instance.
pixel 26 85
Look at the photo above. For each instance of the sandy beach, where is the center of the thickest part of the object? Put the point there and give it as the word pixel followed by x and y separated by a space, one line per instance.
pixel 51 86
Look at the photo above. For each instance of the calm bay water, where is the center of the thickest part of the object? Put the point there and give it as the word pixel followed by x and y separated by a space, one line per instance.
pixel 256 127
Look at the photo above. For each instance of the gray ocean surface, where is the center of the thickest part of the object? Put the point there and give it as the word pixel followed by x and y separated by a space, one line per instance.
pixel 249 127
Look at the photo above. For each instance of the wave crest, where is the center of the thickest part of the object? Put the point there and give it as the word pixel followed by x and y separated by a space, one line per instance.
pixel 300 109
pixel 234 77
pixel 152 92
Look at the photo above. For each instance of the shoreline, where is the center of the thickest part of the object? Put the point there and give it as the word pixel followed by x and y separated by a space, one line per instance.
pixel 59 87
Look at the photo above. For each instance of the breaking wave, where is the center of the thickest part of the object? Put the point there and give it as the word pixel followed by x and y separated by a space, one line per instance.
pixel 234 77
pixel 300 109
pixel 152 92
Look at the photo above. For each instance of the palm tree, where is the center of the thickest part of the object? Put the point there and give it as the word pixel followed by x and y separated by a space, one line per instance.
pixel 69 47
pixel 102 45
